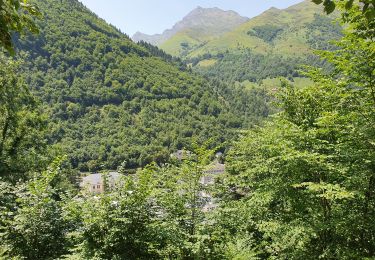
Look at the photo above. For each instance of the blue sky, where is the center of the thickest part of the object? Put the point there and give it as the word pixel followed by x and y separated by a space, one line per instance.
pixel 154 16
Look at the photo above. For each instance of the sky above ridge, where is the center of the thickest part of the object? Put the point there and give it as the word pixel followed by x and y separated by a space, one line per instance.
pixel 154 16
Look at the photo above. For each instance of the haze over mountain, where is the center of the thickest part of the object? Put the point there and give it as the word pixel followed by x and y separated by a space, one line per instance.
pixel 199 25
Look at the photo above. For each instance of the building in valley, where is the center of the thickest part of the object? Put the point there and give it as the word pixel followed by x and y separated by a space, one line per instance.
pixel 181 155
pixel 209 175
pixel 99 182
pixel 213 170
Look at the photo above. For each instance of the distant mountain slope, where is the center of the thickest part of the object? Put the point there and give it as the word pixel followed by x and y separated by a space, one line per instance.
pixel 275 31
pixel 200 25
pixel 287 27
pixel 273 44
pixel 109 100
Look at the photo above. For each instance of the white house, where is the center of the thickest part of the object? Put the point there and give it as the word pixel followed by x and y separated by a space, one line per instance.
pixel 98 182
pixel 211 172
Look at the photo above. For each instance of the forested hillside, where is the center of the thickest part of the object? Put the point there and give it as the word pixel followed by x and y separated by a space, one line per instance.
pixel 251 59
pixel 301 185
pixel 110 100
pixel 245 64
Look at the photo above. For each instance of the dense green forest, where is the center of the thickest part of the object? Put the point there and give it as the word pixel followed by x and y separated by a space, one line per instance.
pixel 111 101
pixel 300 185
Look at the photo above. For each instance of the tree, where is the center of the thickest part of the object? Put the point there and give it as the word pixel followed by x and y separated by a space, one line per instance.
pixel 307 177
pixel 368 6
pixel 32 222
pixel 182 197
pixel 16 16
pixel 153 214
pixel 21 125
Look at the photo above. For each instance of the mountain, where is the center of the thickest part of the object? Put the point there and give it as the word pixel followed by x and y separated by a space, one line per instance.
pixel 199 26
pixel 110 101
pixel 270 45
pixel 286 32
pixel 278 31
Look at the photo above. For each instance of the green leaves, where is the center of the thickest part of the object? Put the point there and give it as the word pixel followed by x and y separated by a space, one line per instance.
pixel 367 6
pixel 300 187
pixel 306 177
pixel 154 214
pixel 349 4
pixel 329 6
pixel 33 225
pixel 328 191
pixel 16 16
pixel 21 125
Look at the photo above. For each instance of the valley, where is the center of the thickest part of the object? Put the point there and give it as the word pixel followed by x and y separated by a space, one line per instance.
pixel 222 137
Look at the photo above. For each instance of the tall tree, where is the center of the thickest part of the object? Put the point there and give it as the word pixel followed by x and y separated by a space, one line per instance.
pixel 32 222
pixel 21 124
pixel 16 16
pixel 307 177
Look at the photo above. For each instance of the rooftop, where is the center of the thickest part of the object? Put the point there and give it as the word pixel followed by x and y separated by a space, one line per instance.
pixel 97 177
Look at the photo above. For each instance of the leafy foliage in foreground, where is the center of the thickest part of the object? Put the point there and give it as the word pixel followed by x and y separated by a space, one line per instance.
pixel 155 214
pixel 22 144
pixel 32 223
pixel 367 6
pixel 16 16
pixel 306 179
pixel 301 187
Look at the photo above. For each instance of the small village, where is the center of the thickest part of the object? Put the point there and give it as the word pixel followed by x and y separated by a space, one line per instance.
pixel 98 183
pixel 187 130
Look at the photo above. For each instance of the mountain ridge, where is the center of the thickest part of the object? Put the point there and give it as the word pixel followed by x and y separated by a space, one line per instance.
pixel 213 21
pixel 288 26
